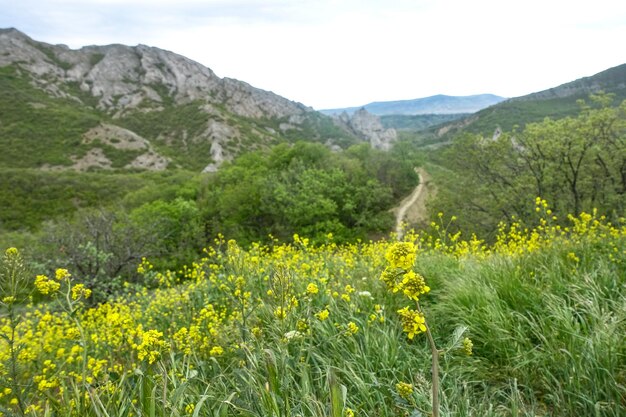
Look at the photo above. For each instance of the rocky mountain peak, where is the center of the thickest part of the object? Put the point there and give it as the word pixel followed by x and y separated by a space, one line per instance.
pixel 176 105
pixel 124 77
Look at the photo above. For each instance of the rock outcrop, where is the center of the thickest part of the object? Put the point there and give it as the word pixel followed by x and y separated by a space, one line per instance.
pixel 124 77
pixel 368 127
pixel 119 82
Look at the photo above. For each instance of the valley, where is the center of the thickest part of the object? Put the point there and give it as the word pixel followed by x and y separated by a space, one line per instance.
pixel 176 243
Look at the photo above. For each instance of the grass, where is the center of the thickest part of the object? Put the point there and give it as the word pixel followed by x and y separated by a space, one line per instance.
pixel 240 333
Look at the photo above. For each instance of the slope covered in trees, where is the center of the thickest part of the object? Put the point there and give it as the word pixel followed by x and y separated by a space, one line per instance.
pixel 575 163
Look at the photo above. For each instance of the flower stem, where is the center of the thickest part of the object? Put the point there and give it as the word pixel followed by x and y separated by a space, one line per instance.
pixel 435 367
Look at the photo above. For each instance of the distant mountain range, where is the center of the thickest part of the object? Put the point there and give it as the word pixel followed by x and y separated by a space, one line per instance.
pixel 555 103
pixel 438 104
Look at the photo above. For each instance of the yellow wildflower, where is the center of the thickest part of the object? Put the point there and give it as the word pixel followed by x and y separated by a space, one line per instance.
pixel 413 322
pixel 401 255
pixel 404 390
pixel 79 291
pixel 323 315
pixel 352 328
pixel 413 285
pixel 467 346
pixel 61 274
pixel 216 351
pixel 312 289
pixel 45 285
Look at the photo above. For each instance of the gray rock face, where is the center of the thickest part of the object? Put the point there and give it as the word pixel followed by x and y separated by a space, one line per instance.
pixel 121 80
pixel 368 127
pixel 124 77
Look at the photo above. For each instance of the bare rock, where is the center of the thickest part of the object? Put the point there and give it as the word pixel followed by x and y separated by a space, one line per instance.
pixel 368 126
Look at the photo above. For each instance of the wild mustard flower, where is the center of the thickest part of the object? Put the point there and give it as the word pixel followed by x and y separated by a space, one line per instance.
pixel 79 291
pixel 151 345
pixel 349 412
pixel 322 315
pixel 45 285
pixel 389 277
pixel 413 322
pixel 216 351
pixel 404 390
pixel 413 285
pixel 352 328
pixel 280 313
pixel 11 252
pixel 62 274
pixel 467 346
pixel 401 255
pixel 312 289
pixel 302 325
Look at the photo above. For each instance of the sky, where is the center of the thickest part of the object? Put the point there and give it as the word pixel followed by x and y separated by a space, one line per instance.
pixel 339 53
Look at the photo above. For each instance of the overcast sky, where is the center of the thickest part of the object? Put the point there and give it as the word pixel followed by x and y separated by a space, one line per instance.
pixel 337 53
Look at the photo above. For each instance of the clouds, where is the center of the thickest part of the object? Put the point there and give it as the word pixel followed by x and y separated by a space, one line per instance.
pixel 330 53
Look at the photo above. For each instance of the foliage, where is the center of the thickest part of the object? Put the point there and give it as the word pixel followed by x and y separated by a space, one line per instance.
pixel 305 188
pixel 30 197
pixel 293 329
pixel 576 163
pixel 36 128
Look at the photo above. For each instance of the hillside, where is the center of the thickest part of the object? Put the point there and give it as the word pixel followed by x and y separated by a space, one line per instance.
pixel 116 106
pixel 438 104
pixel 555 103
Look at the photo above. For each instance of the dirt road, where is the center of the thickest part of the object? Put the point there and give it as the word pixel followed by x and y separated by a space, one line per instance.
pixel 413 208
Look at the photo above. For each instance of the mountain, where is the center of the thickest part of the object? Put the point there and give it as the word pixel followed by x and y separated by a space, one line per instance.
pixel 555 103
pixel 116 106
pixel 439 104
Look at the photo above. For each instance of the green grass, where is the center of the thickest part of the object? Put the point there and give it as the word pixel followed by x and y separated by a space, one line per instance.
pixel 547 328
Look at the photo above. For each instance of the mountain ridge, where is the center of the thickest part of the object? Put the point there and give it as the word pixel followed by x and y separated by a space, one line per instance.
pixel 181 110
pixel 555 102
pixel 437 104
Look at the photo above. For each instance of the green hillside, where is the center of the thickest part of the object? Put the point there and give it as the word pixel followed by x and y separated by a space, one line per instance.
pixel 555 103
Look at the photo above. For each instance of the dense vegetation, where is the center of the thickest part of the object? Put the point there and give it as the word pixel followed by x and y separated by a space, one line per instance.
pixel 307 189
pixel 255 290
pixel 291 329
pixel 577 163
pixel 101 224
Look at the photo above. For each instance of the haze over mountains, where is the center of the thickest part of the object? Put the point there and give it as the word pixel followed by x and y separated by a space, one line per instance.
pixel 437 104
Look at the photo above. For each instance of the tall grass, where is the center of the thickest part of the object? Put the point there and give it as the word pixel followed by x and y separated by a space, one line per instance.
pixel 547 319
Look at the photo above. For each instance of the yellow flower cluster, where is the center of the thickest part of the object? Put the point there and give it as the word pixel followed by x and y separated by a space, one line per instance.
pixel 404 390
pixel 401 255
pixel 413 322
pixel 45 285
pixel 413 285
pixel 79 291
pixel 467 346
pixel 151 346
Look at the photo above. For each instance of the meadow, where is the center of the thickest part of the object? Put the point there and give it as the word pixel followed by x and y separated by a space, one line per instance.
pixel 530 325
